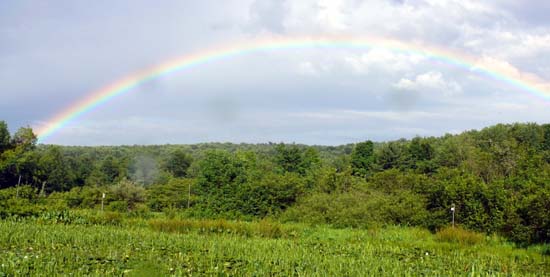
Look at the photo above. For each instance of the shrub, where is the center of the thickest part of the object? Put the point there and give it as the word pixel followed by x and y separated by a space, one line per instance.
pixel 105 218
pixel 118 206
pixel 359 209
pixel 18 201
pixel 268 229
pixel 459 235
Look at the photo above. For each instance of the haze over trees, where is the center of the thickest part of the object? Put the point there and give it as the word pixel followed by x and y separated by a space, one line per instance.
pixel 498 178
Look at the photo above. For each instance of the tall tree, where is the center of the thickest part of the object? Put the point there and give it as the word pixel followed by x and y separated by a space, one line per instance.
pixel 546 141
pixel 389 155
pixel 177 163
pixel 288 157
pixel 25 138
pixel 362 158
pixel 54 171
pixel 221 175
pixel 4 136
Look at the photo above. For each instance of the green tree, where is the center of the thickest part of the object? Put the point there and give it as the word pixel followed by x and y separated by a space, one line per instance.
pixel 19 160
pixel 25 138
pixel 420 150
pixel 177 163
pixel 288 157
pixel 269 195
pixel 362 158
pixel 54 171
pixel 389 155
pixel 128 193
pixel 546 141
pixel 4 136
pixel 176 193
pixel 219 178
pixel 110 170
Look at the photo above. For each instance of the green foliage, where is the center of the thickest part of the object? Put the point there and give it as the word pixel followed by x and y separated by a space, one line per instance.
pixel 535 213
pixel 362 158
pixel 53 170
pixel 18 201
pixel 270 195
pixel 233 185
pixel 497 178
pixel 4 136
pixel 390 155
pixel 220 176
pixel 330 180
pixel 87 197
pixel 177 193
pixel 362 209
pixel 126 195
pixel 24 138
pixel 396 181
pixel 177 163
pixel 546 134
pixel 263 228
pixel 17 157
pixel 289 158
pixel 459 236
pixel 295 159
pixel 30 248
pixel 478 206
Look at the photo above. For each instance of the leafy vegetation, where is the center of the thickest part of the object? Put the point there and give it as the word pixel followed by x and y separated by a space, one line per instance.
pixel 497 178
pixel 175 247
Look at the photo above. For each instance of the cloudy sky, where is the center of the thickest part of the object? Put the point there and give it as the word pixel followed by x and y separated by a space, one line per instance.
pixel 53 53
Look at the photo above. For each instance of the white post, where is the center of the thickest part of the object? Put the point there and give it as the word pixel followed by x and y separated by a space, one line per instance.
pixel 102 198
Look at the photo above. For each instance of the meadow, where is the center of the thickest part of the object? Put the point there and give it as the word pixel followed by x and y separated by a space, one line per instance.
pixel 113 244
pixel 366 209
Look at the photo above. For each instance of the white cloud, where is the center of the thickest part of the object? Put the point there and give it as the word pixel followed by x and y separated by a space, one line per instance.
pixel 386 60
pixel 429 82
pixel 316 68
pixel 352 115
pixel 268 15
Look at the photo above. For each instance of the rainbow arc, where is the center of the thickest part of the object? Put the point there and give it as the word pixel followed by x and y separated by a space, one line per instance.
pixel 494 69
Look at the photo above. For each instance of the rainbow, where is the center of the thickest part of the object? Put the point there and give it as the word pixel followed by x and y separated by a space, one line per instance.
pixel 497 70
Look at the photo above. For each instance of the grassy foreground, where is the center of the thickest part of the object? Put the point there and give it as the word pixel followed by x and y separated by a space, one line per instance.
pixel 31 248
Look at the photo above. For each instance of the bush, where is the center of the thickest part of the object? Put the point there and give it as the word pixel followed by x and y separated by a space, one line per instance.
pixel 19 201
pixel 103 218
pixel 359 209
pixel 459 235
pixel 118 206
pixel 269 229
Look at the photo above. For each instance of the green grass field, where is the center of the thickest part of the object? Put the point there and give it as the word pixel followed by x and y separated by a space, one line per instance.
pixel 137 248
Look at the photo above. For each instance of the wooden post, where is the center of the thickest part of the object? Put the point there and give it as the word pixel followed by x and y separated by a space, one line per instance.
pixel 42 190
pixel 189 196
pixel 17 190
pixel 453 211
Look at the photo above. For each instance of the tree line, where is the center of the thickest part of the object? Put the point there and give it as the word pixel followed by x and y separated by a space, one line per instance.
pixel 498 178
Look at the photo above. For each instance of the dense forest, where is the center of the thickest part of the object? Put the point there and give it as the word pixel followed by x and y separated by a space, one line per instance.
pixel 498 179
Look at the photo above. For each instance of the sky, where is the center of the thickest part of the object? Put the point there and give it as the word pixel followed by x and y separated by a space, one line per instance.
pixel 54 53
